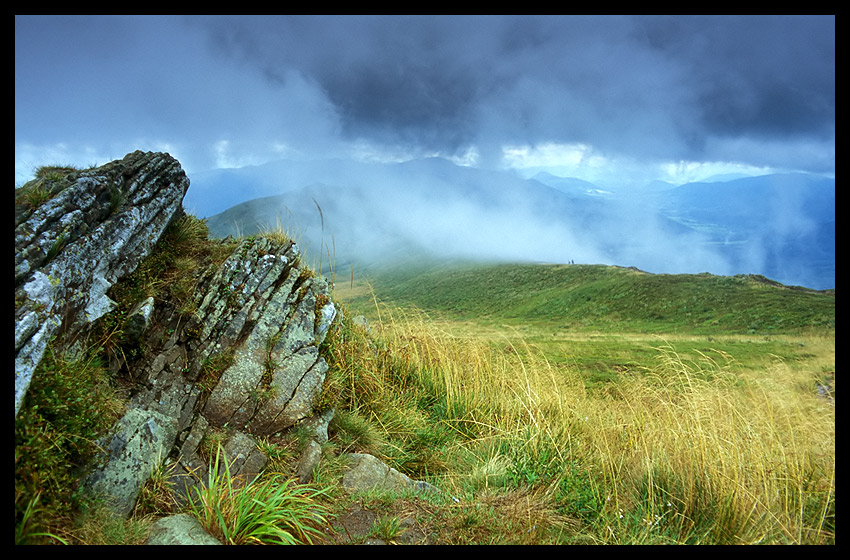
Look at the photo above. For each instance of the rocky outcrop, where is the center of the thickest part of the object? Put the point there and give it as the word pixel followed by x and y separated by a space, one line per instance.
pixel 245 365
pixel 242 365
pixel 273 315
pixel 70 249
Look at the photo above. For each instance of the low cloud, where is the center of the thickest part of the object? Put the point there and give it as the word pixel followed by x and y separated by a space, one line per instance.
pixel 750 90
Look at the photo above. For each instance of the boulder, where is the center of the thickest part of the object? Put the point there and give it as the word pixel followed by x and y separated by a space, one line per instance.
pixel 179 529
pixel 270 314
pixel 245 461
pixel 140 442
pixel 308 461
pixel 366 472
pixel 267 311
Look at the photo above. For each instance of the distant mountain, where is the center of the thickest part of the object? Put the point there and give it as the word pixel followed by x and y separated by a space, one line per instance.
pixel 724 177
pixel 217 190
pixel 364 213
pixel 571 185
pixel 782 224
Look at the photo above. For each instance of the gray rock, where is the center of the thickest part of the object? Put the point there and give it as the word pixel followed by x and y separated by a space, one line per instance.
pixel 366 472
pixel 274 330
pixel 72 248
pixel 138 320
pixel 317 426
pixel 308 461
pixel 141 441
pixel 244 459
pixel 179 529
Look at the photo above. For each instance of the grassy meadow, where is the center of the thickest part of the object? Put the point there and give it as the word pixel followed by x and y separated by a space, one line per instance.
pixel 550 404
pixel 690 409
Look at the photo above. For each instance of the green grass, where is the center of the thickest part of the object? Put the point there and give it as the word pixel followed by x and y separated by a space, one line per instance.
pixel 269 510
pixel 634 429
pixel 608 299
pixel 49 181
pixel 70 403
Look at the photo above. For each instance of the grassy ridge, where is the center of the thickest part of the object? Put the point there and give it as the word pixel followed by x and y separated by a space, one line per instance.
pixel 671 409
pixel 598 297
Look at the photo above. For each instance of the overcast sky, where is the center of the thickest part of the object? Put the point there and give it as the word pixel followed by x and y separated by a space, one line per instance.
pixel 641 97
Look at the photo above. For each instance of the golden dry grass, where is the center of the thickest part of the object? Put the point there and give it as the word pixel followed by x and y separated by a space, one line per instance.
pixel 692 449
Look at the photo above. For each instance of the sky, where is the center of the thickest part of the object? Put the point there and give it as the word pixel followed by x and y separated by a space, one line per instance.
pixel 609 99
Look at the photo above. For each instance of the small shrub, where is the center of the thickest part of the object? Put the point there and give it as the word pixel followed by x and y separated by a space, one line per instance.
pixel 387 528
pixel 34 194
pixel 57 246
pixel 353 432
pixel 158 495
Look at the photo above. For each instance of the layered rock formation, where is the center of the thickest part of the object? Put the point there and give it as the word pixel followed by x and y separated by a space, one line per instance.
pixel 71 248
pixel 240 360
pixel 247 360
pixel 262 317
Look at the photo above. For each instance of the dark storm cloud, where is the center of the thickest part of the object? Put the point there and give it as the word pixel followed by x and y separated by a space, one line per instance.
pixel 230 91
pixel 764 75
pixel 107 85
pixel 667 87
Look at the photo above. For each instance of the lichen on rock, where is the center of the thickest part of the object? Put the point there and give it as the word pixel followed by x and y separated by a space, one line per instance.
pixel 277 372
pixel 72 248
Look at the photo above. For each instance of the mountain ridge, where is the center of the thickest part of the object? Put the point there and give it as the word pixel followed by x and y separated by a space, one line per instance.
pixel 781 226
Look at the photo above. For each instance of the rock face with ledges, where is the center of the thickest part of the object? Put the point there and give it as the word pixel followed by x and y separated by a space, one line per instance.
pixel 245 364
pixel 272 314
pixel 72 248
pixel 268 314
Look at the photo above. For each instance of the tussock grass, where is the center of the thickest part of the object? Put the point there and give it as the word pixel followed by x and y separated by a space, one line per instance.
pixel 691 448
pixel 268 510
pixel 698 458
pixel 69 404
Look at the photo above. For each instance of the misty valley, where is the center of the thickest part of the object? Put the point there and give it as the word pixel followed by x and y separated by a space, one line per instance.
pixel 364 215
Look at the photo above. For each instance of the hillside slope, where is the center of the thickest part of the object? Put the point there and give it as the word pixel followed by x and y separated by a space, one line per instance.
pixel 604 297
